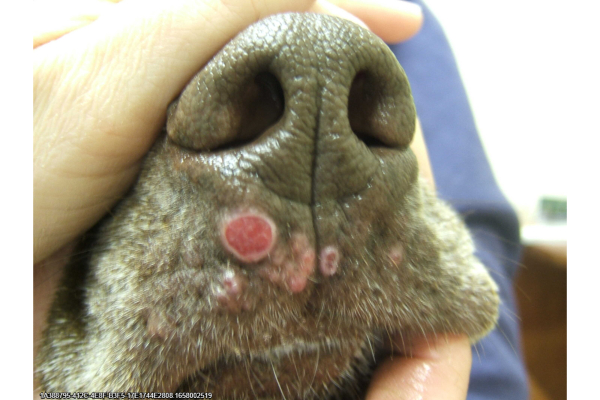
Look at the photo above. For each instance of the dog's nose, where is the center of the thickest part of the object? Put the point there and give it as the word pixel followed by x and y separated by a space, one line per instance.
pixel 307 104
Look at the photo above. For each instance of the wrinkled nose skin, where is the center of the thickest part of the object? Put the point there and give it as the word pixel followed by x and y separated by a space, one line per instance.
pixel 311 153
pixel 309 116
pixel 278 232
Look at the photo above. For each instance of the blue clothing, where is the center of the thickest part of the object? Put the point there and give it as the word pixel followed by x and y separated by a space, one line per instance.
pixel 463 178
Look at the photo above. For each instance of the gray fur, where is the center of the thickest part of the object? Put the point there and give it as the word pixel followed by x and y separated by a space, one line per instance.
pixel 142 308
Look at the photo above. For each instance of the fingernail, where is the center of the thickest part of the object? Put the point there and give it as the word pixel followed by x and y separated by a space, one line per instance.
pixel 408 7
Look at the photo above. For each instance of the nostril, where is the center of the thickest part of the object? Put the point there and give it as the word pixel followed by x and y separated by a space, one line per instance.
pixel 369 140
pixel 361 109
pixel 356 115
pixel 218 113
pixel 373 112
pixel 260 106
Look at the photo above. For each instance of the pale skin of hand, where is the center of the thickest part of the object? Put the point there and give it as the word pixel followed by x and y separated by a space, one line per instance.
pixel 104 74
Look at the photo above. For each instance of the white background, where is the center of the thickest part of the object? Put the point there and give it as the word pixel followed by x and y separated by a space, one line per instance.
pixel 530 70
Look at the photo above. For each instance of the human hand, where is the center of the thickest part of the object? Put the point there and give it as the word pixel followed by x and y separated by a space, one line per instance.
pixel 429 369
pixel 101 93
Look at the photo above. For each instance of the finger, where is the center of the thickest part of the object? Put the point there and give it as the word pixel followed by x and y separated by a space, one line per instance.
pixel 100 93
pixel 325 7
pixel 392 20
pixel 438 369
pixel 420 149
pixel 53 19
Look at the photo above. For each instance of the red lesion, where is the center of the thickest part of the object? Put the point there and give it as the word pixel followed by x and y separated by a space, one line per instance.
pixel 249 236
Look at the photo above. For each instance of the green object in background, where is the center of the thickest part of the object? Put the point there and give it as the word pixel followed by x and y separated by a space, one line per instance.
pixel 553 209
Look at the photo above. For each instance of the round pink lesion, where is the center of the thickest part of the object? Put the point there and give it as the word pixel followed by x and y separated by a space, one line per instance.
pixel 230 292
pixel 396 254
pixel 234 283
pixel 248 235
pixel 296 283
pixel 329 260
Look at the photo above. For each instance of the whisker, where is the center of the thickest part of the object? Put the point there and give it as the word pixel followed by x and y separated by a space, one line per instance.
pixel 247 367
pixel 371 347
pixel 508 340
pixel 477 352
pixel 277 380
pixel 316 367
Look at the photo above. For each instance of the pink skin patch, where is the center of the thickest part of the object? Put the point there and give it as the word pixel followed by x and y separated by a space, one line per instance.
pixel 328 261
pixel 250 236
pixel 291 271
pixel 233 284
pixel 396 254
pixel 296 283
pixel 231 291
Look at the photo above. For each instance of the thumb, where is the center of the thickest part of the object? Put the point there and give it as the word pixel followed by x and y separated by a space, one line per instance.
pixel 436 368
pixel 100 95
